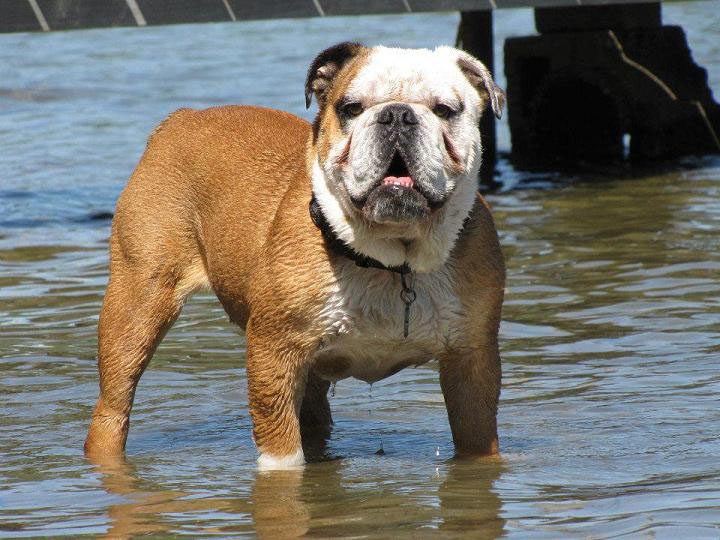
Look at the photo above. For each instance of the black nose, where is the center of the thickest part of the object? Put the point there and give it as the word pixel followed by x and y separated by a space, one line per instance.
pixel 397 115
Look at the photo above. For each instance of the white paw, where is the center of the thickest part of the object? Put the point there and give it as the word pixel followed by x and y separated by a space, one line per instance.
pixel 270 462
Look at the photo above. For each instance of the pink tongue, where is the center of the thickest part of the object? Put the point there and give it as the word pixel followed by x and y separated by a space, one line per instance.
pixel 404 181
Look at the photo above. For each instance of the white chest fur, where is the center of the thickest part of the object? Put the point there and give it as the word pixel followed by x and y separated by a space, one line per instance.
pixel 364 320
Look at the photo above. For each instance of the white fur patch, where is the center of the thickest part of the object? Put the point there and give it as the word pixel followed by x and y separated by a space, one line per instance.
pixel 417 75
pixel 364 322
pixel 420 78
pixel 269 462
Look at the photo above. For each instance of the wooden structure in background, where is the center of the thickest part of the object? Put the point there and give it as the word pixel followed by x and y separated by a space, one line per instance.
pixel 597 76
pixel 599 71
pixel 47 15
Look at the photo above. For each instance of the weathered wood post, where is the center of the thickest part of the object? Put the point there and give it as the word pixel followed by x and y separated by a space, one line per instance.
pixel 475 35
pixel 597 75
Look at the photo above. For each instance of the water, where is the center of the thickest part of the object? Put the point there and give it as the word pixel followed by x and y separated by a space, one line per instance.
pixel 609 419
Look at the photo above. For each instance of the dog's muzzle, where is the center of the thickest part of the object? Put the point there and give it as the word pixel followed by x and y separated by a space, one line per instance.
pixel 397 194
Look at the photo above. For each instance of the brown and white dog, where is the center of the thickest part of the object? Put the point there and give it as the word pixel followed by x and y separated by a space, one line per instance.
pixel 317 239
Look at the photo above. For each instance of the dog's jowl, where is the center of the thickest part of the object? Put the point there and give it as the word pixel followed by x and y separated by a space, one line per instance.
pixel 352 247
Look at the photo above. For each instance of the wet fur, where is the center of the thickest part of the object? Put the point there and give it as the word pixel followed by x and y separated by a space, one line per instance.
pixel 220 200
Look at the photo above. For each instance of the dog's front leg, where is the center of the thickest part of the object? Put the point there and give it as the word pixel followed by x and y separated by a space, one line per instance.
pixel 277 372
pixel 470 381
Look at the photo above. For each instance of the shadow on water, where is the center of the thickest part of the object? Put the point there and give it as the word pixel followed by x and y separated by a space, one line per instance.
pixel 322 500
pixel 508 177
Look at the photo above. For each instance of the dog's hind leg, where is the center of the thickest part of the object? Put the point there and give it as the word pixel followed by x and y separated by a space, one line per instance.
pixel 470 381
pixel 140 306
pixel 315 416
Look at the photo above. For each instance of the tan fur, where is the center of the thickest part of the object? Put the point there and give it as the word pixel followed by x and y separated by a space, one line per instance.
pixel 330 130
pixel 220 199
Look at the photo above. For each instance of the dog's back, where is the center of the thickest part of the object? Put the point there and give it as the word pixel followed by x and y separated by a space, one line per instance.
pixel 208 172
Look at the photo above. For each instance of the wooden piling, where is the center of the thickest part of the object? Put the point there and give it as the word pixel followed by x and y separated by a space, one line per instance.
pixel 475 35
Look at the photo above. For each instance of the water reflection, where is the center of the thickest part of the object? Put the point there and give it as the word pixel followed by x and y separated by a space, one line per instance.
pixel 278 506
pixel 147 505
pixel 468 501
pixel 325 499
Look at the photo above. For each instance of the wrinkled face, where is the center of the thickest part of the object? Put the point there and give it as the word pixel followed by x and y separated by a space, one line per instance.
pixel 399 133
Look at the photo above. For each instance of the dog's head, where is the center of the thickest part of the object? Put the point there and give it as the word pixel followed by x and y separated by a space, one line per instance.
pixel 396 146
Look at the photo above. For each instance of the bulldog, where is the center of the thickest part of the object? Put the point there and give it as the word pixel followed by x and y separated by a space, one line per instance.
pixel 354 246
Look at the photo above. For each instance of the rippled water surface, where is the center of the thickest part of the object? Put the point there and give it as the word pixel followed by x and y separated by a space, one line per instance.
pixel 610 414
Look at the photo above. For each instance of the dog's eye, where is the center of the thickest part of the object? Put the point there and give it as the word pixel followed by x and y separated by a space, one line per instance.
pixel 443 111
pixel 353 109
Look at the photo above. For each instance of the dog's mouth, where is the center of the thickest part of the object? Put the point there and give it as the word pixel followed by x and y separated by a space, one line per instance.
pixel 397 177
pixel 397 173
pixel 396 198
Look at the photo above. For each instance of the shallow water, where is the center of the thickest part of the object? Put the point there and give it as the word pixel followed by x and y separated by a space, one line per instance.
pixel 609 419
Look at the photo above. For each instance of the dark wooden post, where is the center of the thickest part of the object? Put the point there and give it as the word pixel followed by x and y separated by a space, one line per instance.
pixel 600 74
pixel 475 35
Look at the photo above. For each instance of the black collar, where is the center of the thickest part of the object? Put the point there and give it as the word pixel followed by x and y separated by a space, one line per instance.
pixel 342 248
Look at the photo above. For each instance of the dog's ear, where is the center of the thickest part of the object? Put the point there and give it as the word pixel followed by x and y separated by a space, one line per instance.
pixel 325 67
pixel 482 81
